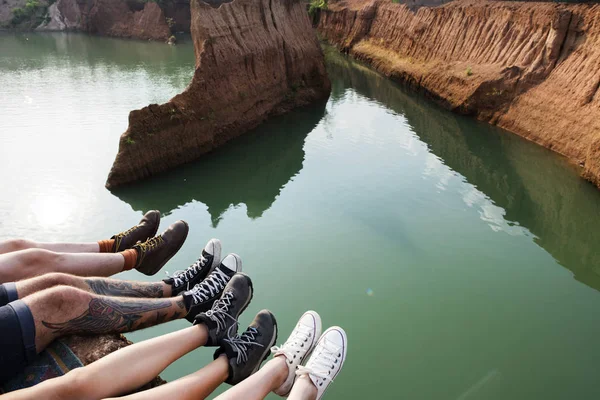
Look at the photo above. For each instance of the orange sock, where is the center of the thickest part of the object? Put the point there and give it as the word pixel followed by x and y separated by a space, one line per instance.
pixel 106 246
pixel 130 256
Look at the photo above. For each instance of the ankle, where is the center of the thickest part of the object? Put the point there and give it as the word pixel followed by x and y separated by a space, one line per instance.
pixel 304 388
pixel 280 370
pixel 106 246
pixel 130 259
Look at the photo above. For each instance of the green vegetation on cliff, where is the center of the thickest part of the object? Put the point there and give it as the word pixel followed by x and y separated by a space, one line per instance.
pixel 31 15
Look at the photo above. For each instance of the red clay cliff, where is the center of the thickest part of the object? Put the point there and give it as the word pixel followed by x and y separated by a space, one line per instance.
pixel 531 68
pixel 254 59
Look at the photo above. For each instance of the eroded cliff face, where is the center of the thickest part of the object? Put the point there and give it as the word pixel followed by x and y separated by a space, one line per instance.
pixel 254 59
pixel 531 68
pixel 117 18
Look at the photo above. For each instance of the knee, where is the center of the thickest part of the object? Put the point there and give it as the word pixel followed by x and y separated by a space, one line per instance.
pixel 39 258
pixel 65 298
pixel 19 244
pixel 75 383
pixel 58 279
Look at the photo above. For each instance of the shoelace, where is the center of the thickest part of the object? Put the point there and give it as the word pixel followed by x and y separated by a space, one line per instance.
pixel 149 245
pixel 242 343
pixel 119 236
pixel 295 344
pixel 181 277
pixel 322 362
pixel 210 287
pixel 219 313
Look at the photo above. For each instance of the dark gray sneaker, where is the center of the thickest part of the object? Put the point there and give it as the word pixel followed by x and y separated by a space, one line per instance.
pixel 198 271
pixel 246 352
pixel 221 319
pixel 203 296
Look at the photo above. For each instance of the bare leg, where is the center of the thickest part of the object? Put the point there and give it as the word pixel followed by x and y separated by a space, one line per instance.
pixel 303 389
pixel 102 286
pixel 33 262
pixel 195 386
pixel 124 370
pixel 64 310
pixel 23 244
pixel 259 385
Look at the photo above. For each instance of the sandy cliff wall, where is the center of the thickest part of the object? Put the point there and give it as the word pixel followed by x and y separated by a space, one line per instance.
pixel 254 59
pixel 532 68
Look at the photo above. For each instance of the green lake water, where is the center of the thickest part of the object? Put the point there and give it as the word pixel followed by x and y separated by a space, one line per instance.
pixel 462 261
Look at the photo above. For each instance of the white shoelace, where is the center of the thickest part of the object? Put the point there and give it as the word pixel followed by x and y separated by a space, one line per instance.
pixel 322 362
pixel 210 287
pixel 241 344
pixel 295 344
pixel 220 311
pixel 186 275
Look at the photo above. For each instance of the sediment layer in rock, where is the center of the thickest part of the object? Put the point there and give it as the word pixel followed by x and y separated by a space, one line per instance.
pixel 531 68
pixel 254 59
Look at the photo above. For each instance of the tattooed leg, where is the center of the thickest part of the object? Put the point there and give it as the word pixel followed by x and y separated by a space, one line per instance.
pixel 102 286
pixel 129 368
pixel 66 310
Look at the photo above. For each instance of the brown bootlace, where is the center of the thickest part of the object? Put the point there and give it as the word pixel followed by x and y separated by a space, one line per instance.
pixel 148 246
pixel 119 236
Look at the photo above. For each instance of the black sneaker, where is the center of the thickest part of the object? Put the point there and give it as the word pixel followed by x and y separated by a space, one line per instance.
pixel 221 319
pixel 202 297
pixel 246 352
pixel 198 271
pixel 140 233
pixel 153 254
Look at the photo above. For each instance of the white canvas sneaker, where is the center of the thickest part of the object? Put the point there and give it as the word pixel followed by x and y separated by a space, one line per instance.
pixel 327 359
pixel 297 347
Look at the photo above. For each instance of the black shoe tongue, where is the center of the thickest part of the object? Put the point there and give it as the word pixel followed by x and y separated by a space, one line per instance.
pixel 228 350
pixel 202 319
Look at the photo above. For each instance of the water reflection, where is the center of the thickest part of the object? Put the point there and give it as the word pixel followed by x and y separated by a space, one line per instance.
pixel 524 187
pixel 250 170
pixel 98 54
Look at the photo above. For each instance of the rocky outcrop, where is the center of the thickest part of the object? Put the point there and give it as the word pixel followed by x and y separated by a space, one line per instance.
pixel 254 59
pixel 109 18
pixel 531 68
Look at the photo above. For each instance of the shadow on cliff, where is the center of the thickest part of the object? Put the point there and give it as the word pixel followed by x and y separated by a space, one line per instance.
pixel 250 170
pixel 537 190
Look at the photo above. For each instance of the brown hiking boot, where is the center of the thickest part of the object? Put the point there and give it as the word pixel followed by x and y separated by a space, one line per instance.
pixel 156 252
pixel 140 233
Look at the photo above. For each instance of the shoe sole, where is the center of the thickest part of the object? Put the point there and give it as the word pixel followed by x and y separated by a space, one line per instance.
pixel 159 267
pixel 268 348
pixel 336 328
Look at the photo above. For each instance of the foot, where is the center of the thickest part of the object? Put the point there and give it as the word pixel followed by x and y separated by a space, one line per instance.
pixel 297 348
pixel 140 233
pixel 198 271
pixel 202 297
pixel 247 351
pixel 153 254
pixel 221 319
pixel 327 359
